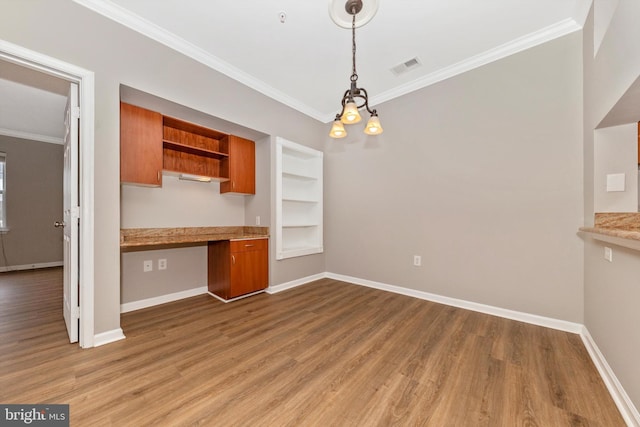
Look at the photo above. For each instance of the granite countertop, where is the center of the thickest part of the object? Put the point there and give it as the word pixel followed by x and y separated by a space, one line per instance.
pixel 625 225
pixel 138 237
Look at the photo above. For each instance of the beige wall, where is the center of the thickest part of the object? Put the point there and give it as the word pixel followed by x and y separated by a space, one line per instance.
pixel 615 152
pixel 34 202
pixel 120 56
pixel 611 289
pixel 481 175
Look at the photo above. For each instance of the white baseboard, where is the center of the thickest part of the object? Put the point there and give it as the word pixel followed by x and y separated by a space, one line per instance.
pixel 31 266
pixel 533 319
pixel 108 337
pixel 162 299
pixel 620 397
pixel 236 298
pixel 294 283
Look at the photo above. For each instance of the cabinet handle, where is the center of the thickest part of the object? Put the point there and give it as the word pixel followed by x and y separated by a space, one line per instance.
pixel 233 184
pixel 158 176
pixel 248 246
pixel 233 259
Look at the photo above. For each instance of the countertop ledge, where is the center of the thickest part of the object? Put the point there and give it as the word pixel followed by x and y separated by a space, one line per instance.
pixel 620 228
pixel 135 237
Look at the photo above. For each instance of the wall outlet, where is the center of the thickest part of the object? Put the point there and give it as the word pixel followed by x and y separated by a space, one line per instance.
pixel 162 264
pixel 258 220
pixel 147 266
pixel 608 254
pixel 417 260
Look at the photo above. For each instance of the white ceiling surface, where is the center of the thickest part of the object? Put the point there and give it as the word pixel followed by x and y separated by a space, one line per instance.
pixel 305 62
pixel 31 104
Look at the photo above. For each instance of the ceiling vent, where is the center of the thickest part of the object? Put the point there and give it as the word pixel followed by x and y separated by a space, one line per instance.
pixel 406 66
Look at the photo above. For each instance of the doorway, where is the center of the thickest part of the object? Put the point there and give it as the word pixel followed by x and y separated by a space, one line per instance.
pixel 84 80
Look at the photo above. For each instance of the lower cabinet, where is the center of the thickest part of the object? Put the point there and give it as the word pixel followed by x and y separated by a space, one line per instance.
pixel 238 267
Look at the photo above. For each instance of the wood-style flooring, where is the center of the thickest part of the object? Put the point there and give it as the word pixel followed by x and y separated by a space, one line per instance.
pixel 324 354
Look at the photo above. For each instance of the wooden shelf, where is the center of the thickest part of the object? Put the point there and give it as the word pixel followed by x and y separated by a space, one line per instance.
pixel 184 148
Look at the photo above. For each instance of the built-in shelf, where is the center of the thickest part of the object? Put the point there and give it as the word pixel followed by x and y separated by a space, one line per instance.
pixel 299 213
pixel 184 148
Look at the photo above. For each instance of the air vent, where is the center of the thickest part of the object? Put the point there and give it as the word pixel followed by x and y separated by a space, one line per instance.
pixel 406 66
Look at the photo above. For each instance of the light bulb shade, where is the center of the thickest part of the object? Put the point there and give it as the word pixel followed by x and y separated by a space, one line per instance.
pixel 351 114
pixel 373 126
pixel 337 130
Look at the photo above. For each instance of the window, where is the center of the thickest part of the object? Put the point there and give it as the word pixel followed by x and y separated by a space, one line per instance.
pixel 3 187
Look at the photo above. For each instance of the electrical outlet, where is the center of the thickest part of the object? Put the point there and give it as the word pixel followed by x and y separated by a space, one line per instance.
pixel 258 220
pixel 147 266
pixel 417 260
pixel 608 254
pixel 162 264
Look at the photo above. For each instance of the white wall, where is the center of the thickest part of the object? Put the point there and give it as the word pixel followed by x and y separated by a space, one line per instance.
pixel 481 175
pixel 616 152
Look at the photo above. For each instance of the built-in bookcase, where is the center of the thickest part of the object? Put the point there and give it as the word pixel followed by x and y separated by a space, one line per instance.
pixel 298 195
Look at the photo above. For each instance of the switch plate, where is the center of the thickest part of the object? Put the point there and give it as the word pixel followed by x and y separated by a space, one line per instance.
pixel 258 220
pixel 162 264
pixel 615 182
pixel 608 254
pixel 147 266
pixel 417 260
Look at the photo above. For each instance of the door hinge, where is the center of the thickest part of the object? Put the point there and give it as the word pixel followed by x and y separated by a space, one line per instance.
pixel 75 112
pixel 75 212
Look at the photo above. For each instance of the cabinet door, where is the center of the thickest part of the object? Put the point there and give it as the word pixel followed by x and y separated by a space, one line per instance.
pixel 241 166
pixel 249 267
pixel 140 146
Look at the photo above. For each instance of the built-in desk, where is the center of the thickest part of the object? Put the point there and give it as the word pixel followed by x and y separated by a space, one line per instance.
pixel 238 256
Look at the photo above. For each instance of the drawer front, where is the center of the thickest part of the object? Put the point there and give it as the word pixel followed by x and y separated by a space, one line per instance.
pixel 249 245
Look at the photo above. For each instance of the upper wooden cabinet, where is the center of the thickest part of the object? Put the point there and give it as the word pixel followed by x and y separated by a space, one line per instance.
pixel 240 166
pixel 151 143
pixel 140 146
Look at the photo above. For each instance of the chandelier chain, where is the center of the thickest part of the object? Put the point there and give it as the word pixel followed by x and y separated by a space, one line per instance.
pixel 354 74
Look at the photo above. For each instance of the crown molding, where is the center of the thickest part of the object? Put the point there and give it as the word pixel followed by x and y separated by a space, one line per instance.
pixel 520 44
pixel 136 23
pixel 31 136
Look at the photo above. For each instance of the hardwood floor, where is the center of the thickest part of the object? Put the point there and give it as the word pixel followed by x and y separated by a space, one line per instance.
pixel 323 354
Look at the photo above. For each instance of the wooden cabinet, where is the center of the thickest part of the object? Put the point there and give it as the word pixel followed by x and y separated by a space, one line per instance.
pixel 193 149
pixel 140 146
pixel 151 143
pixel 240 167
pixel 237 267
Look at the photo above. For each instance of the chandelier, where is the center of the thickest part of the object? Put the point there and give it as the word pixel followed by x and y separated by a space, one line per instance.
pixel 354 98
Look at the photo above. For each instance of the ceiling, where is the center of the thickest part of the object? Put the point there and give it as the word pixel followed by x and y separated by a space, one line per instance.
pixel 305 61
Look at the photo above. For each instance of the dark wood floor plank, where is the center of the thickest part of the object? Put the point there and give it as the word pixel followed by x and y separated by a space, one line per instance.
pixel 326 353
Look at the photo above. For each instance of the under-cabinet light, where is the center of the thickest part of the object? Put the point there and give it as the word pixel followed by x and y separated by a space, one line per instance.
pixel 189 177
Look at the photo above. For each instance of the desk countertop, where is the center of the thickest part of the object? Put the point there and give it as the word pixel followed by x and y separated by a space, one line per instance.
pixel 140 237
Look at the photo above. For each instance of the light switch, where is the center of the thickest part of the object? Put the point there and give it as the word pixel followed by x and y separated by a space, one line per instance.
pixel 615 182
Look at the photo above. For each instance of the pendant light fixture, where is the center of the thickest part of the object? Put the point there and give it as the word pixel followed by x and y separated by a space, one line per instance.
pixel 354 98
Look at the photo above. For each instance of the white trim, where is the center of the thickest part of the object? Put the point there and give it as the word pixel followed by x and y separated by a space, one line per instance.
pixel 626 407
pixel 236 298
pixel 85 79
pixel 294 283
pixel 162 299
pixel 31 266
pixel 154 32
pixel 31 136
pixel 137 23
pixel 108 337
pixel 533 319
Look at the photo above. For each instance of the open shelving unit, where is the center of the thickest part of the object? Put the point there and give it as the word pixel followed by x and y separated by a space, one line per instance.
pixel 299 197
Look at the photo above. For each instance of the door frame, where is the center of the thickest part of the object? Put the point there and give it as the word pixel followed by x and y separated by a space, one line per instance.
pixel 86 82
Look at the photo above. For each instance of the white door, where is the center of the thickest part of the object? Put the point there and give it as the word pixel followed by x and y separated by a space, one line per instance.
pixel 71 213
